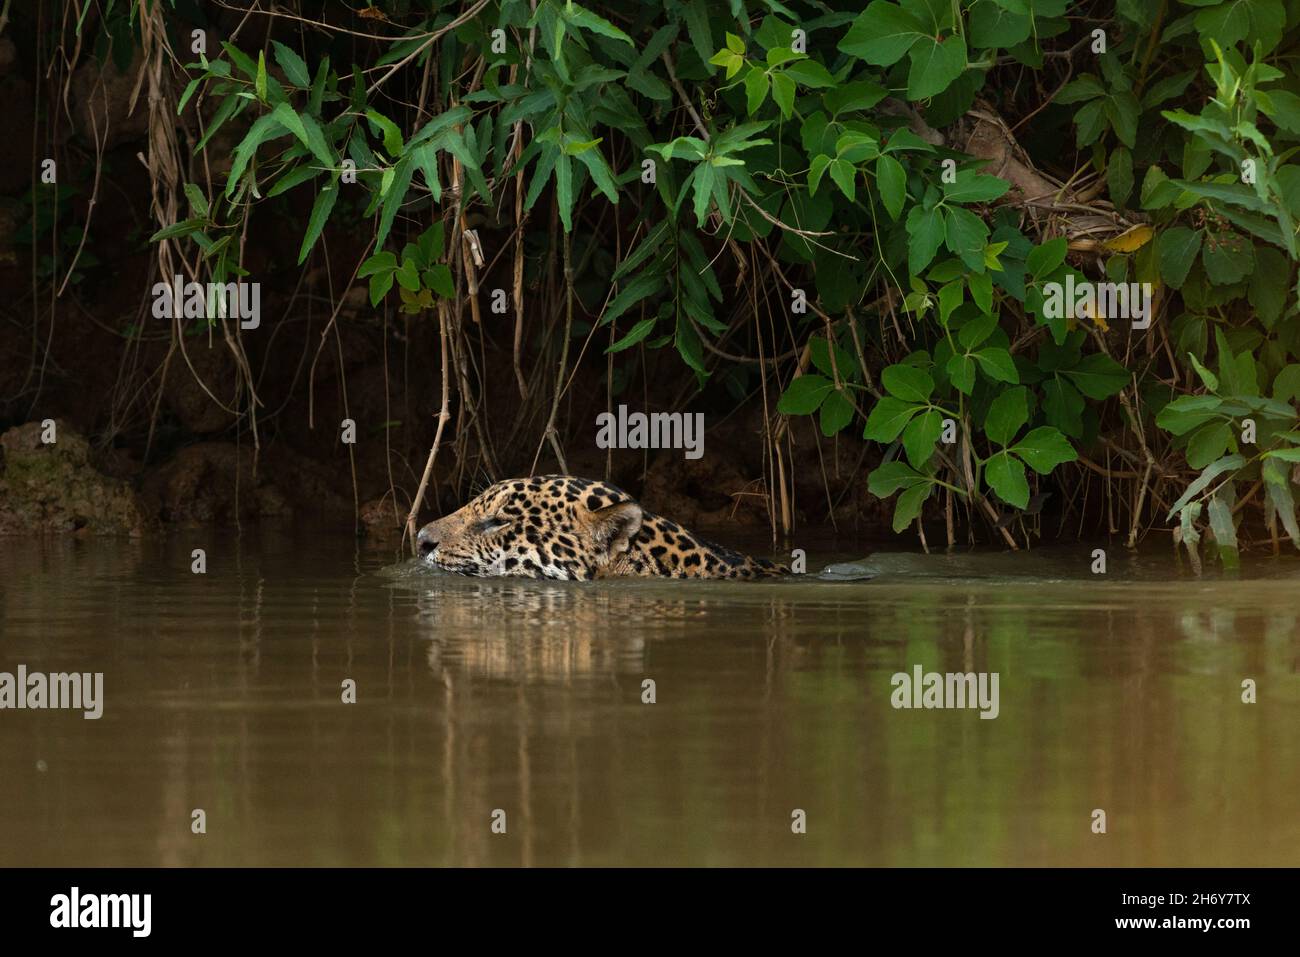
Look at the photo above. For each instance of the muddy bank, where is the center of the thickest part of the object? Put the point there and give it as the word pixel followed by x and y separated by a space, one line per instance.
pixel 48 484
pixel 54 480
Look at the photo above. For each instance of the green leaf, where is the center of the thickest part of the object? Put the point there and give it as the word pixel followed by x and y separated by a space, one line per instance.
pixel 1166 89
pixel 1237 20
pixel 836 413
pixel 909 503
pixel 891 182
pixel 1046 259
pixel 997 364
pixel 600 172
pixel 903 139
pixel 1209 378
pixel 925 231
pixel 408 275
pixel 295 124
pixel 394 198
pixel 634 335
pixel 1158 190
pixel 289 180
pixel 1212 471
pixel 857 147
pixel 961 373
pixel 981 290
pixel 1085 87
pixel 920 435
pixel 240 59
pixel 755 90
pixel 816 169
pixel 1178 248
pixel 183 228
pixel 1282 107
pixel 810 74
pixel 950 297
pixel 1122 110
pixel 855 95
pixel 1269 284
pixel 1007 413
pixel 1098 376
pixel 843 174
pixel 882 34
pixel 1063 406
pixel 318 87
pixel 1278 498
pixel 294 69
pixel 380 262
pixel 631 293
pixel 888 419
pixel 783 91
pixel 966 235
pixel 804 395
pixel 392 136
pixel 993 26
pixel 1208 443
pixel 564 190
pixel 198 201
pixel 1044 448
pixel 1286 386
pixel 1228 258
pixel 259 81
pixel 972 187
pixel 190 87
pixel 1089 122
pixel 1236 193
pixel 320 213
pixel 1187 412
pixel 1119 175
pixel 687 342
pixel 430 243
pixel 1225 531
pixel 731 61
pixel 265 128
pixel 844 364
pixel 1006 476
pixel 581 17
pixel 890 477
pixel 380 283
pixel 935 64
pixel 438 278
pixel 907 383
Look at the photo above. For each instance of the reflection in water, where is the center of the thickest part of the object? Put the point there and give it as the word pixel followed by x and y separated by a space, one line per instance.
pixel 223 692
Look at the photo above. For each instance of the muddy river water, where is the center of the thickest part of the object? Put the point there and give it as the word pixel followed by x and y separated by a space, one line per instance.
pixel 514 722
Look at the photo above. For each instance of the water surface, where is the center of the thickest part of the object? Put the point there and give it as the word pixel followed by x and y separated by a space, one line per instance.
pixel 223 692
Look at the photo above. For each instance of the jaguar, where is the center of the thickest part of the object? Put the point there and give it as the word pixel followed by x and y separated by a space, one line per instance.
pixel 575 529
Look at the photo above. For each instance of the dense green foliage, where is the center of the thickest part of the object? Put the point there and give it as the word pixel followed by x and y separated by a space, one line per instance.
pixel 916 284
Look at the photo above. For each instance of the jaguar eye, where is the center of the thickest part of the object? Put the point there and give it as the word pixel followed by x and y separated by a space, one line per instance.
pixel 491 525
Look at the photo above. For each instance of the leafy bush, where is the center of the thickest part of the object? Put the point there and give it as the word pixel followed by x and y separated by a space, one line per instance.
pixel 828 149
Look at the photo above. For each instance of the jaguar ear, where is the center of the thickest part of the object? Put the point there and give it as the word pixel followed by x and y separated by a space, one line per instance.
pixel 614 526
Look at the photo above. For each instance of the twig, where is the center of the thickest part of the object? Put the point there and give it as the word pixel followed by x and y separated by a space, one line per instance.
pixel 463 18
pixel 444 415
